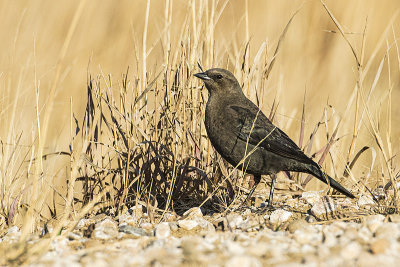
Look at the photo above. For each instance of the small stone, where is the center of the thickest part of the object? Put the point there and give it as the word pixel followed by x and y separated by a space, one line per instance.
pixel 310 219
pixel 60 244
pixel 379 193
pixel 162 230
pixel 243 260
pixel 173 226
pixel 136 231
pixel 278 198
pixel 234 220
pixel 367 259
pixel 388 231
pixel 74 236
pixel 332 260
pixel 132 216
pixel 82 223
pixel 307 249
pixel 310 236
pixel 330 239
pixel 193 212
pixel 136 211
pixel 380 245
pixel 394 218
pixel 245 225
pixel 193 249
pixel 351 233
pixel 299 224
pixel 49 259
pixel 280 216
pixel 242 237
pixel 351 251
pixel 252 223
pixel 106 229
pixel 336 228
pixel 311 197
pixel 13 235
pixel 157 255
pixel 323 208
pixel 170 217
pixel 374 221
pixel 259 249
pixel 146 226
pixel 12 230
pixel 234 248
pixel 365 200
pixel 293 203
pixel 204 224
pixel 247 212
pixel 97 218
pixel 188 224
pixel 364 235
pixel 324 251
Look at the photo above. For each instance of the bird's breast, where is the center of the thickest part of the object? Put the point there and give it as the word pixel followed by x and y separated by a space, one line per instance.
pixel 221 129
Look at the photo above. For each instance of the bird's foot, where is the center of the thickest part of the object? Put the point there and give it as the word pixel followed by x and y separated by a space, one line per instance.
pixel 267 207
pixel 246 204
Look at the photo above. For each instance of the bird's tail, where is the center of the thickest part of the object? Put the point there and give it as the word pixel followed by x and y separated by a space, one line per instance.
pixel 317 172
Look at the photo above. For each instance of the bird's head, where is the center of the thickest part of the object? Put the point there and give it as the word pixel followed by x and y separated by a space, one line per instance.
pixel 219 81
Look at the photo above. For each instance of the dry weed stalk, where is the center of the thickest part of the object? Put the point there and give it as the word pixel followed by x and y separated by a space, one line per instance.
pixel 142 139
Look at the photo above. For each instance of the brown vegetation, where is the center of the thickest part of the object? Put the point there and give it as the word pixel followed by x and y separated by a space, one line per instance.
pixel 328 74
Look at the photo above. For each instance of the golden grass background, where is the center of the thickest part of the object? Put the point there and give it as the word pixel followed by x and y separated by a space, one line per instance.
pixel 50 47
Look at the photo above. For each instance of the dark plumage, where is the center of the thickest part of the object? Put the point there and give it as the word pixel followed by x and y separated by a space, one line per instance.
pixel 237 127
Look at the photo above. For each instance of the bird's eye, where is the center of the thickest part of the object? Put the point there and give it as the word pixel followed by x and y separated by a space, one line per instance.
pixel 219 76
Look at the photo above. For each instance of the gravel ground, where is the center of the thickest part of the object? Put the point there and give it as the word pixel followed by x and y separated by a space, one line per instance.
pixel 311 231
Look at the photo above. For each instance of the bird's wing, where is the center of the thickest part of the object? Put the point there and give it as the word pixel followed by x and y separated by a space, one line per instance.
pixel 253 126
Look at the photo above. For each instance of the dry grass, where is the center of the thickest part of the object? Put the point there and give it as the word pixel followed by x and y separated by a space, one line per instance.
pixel 330 80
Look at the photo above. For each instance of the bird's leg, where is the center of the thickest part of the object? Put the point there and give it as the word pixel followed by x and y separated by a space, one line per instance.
pixel 271 192
pixel 257 179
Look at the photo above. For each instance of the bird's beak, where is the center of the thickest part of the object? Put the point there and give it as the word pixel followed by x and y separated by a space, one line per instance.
pixel 202 75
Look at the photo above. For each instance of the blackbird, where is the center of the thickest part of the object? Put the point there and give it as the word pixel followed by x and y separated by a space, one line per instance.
pixel 245 137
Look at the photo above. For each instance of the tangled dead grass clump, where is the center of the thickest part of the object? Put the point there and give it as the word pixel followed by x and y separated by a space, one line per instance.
pixel 140 158
pixel 142 140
